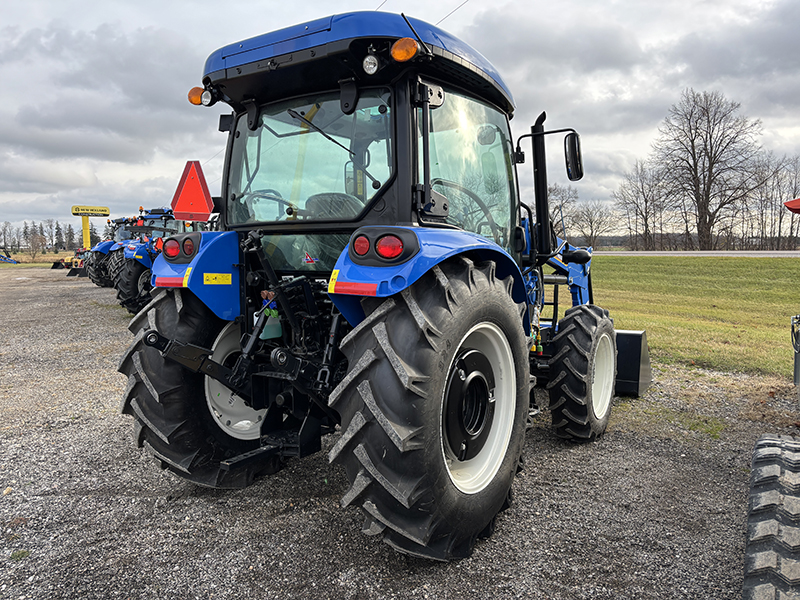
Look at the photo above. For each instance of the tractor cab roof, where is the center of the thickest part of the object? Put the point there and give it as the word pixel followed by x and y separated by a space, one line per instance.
pixel 324 52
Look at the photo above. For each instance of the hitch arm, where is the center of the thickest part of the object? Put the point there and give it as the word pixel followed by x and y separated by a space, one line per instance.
pixel 198 360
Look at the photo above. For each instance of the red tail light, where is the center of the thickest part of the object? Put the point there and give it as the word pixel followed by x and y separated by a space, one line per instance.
pixel 361 245
pixel 389 246
pixel 172 248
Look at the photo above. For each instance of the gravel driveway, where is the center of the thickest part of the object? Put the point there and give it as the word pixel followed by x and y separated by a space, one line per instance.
pixel 654 509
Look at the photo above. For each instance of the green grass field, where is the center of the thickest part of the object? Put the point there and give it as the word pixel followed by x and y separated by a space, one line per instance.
pixel 729 314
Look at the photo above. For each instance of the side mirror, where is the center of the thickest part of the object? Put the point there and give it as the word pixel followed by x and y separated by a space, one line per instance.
pixel 572 151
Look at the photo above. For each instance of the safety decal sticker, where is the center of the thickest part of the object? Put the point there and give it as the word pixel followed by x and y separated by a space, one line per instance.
pixel 217 279
pixel 308 260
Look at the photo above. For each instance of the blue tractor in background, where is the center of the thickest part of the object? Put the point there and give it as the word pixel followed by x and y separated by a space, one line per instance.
pixel 133 260
pixel 376 276
pixel 97 263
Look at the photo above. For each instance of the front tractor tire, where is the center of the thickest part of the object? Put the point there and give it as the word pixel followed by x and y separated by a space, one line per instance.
pixel 190 424
pixel 434 408
pixel 133 285
pixel 583 369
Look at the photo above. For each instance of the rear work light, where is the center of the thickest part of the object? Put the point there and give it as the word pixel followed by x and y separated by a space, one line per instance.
pixel 389 246
pixel 172 248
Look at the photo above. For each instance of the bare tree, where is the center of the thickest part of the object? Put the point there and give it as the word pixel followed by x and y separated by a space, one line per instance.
pixel 707 150
pixel 563 201
pixel 36 244
pixel 593 219
pixel 641 199
pixel 6 231
pixel 50 231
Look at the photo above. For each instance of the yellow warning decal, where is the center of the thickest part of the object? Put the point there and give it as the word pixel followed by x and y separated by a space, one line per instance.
pixel 332 282
pixel 217 279
pixel 186 277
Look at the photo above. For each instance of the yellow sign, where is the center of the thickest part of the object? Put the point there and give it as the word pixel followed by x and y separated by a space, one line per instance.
pixel 216 278
pixel 90 211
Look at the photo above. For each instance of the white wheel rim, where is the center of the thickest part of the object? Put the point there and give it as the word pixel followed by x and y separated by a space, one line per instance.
pixel 228 410
pixel 472 476
pixel 602 376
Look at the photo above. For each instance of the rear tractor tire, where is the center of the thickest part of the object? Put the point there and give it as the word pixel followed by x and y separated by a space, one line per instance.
pixel 583 370
pixel 133 285
pixel 434 410
pixel 772 552
pixel 189 422
pixel 97 269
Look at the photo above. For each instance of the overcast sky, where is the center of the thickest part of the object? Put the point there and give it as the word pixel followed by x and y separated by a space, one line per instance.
pixel 93 105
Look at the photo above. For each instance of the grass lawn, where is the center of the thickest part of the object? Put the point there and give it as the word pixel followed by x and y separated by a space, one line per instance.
pixel 729 314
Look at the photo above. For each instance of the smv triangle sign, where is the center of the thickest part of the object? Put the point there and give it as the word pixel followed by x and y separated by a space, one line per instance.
pixel 192 200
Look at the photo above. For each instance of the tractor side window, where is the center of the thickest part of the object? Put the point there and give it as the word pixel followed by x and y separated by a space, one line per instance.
pixel 470 162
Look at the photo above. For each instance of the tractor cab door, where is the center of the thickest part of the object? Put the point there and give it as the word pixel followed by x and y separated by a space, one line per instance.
pixel 466 174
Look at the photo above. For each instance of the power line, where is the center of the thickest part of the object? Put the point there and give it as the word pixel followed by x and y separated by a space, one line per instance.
pixel 381 4
pixel 452 11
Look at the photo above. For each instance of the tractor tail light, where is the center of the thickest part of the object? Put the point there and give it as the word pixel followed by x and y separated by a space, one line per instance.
pixel 188 246
pixel 172 248
pixel 389 246
pixel 361 245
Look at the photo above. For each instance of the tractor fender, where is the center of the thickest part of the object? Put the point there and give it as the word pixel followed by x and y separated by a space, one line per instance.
pixel 212 274
pixel 138 252
pixel 352 279
pixel 104 246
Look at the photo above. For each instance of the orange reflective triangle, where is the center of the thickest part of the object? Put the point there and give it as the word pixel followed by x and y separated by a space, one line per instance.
pixel 793 205
pixel 192 200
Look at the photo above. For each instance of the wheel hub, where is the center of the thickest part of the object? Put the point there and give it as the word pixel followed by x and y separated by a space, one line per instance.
pixel 469 404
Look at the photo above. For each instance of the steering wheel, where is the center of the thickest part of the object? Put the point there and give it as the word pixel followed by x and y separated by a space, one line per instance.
pixel 268 194
pixel 497 232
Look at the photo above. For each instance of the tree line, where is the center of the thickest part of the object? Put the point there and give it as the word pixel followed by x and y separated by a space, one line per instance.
pixel 47 235
pixel 707 185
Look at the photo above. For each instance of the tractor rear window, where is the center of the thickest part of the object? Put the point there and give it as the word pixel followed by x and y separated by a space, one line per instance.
pixel 308 161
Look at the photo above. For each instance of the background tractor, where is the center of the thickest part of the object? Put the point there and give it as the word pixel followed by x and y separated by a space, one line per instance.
pixel 376 276
pixel 97 263
pixel 131 260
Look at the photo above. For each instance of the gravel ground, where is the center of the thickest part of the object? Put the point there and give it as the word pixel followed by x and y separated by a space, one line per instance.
pixel 654 509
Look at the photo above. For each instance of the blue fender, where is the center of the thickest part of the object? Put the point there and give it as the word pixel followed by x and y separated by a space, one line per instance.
pixel 212 274
pixel 138 251
pixel 350 281
pixel 104 246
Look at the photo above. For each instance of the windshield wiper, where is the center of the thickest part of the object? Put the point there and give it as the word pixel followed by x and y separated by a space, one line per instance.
pixel 293 113
pixel 297 115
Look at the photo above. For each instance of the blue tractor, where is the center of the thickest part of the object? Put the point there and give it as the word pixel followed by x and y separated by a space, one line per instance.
pixel 132 262
pixel 377 277
pixel 97 263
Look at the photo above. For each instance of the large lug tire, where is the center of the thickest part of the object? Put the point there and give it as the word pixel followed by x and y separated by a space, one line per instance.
pixel 175 417
pixel 116 260
pixel 433 410
pixel 772 554
pixel 583 370
pixel 92 269
pixel 133 286
pixel 97 269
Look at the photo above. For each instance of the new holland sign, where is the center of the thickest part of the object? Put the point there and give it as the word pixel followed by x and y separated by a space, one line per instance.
pixel 90 211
